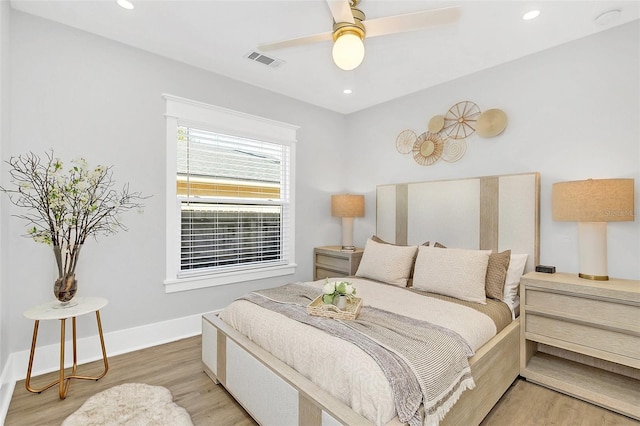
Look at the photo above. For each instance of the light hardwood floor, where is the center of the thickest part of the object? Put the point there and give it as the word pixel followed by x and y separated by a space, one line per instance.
pixel 177 366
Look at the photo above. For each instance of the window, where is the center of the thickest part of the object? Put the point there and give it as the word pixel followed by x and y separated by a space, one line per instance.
pixel 230 193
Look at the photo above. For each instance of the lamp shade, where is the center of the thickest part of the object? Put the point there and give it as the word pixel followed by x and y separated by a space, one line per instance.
pixel 593 200
pixel 347 205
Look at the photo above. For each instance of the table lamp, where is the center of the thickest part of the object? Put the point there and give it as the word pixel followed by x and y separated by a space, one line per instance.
pixel 347 206
pixel 592 203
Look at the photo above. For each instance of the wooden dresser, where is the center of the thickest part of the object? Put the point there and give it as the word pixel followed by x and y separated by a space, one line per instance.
pixel 582 338
pixel 330 261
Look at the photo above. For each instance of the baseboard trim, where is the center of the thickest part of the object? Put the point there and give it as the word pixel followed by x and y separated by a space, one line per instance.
pixel 117 342
pixel 7 385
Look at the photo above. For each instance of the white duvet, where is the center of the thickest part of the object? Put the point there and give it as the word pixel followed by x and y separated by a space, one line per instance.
pixel 339 367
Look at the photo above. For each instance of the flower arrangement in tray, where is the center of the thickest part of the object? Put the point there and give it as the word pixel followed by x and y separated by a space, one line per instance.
pixel 338 300
pixel 332 290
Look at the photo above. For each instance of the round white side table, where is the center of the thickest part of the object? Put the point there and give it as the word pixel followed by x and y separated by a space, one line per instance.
pixel 55 311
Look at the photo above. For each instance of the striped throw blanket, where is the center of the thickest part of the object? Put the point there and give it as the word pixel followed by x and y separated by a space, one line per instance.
pixel 424 363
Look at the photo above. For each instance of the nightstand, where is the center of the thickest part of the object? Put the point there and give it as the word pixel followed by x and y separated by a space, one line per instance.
pixel 582 338
pixel 330 261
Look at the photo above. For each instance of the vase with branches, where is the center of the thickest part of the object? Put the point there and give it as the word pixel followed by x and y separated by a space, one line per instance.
pixel 67 205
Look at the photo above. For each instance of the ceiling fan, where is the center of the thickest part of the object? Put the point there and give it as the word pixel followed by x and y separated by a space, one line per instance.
pixel 350 28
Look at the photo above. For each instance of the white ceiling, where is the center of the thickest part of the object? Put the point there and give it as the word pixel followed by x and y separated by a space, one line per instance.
pixel 216 35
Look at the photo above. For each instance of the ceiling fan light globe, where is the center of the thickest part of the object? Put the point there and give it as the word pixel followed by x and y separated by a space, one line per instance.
pixel 348 51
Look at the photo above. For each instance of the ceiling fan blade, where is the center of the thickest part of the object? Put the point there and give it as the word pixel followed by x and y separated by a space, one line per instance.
pixel 295 42
pixel 411 21
pixel 341 10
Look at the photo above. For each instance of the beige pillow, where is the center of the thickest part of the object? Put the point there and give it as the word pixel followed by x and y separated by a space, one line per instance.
pixel 497 274
pixel 387 263
pixel 517 263
pixel 381 241
pixel 454 272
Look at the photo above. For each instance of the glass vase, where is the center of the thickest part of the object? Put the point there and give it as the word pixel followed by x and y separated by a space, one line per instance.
pixel 66 286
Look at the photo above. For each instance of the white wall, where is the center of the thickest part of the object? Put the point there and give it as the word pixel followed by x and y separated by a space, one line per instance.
pixel 84 95
pixel 4 134
pixel 573 114
pixel 6 381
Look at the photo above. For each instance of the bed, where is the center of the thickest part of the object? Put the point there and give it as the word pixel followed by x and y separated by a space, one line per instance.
pixel 496 213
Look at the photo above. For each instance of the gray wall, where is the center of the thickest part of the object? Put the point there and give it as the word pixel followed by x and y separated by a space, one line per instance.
pixel 572 114
pixel 5 12
pixel 83 95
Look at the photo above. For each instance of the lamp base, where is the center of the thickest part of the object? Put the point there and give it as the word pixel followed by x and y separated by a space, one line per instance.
pixel 347 234
pixel 594 277
pixel 592 238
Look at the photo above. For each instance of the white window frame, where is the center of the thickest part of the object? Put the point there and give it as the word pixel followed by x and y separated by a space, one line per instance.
pixel 181 111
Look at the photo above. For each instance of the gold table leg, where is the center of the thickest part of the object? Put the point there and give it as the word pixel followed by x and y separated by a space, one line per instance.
pixel 27 381
pixel 104 354
pixel 64 384
pixel 63 381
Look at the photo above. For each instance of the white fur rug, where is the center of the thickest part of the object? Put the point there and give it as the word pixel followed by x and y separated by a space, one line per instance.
pixel 131 404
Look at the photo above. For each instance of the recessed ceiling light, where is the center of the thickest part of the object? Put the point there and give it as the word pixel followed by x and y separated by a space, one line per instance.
pixel 126 4
pixel 608 17
pixel 532 14
pixel 347 91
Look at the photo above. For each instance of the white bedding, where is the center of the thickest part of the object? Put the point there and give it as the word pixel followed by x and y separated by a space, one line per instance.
pixel 340 367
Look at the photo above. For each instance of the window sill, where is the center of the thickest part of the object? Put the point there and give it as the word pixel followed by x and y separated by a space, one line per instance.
pixel 175 285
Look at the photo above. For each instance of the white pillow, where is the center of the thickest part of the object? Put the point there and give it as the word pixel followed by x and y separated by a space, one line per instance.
pixel 516 268
pixel 458 273
pixel 387 263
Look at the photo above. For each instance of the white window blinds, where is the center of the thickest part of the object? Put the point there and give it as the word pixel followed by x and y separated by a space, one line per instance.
pixel 234 196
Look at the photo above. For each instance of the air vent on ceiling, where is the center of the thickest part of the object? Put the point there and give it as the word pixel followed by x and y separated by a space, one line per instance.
pixel 263 59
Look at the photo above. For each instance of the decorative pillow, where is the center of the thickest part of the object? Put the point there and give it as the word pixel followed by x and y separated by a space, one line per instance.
pixel 436 245
pixel 497 274
pixel 517 263
pixel 381 241
pixel 387 263
pixel 458 273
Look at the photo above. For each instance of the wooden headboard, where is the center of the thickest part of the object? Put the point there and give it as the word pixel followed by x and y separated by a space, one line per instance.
pixel 489 212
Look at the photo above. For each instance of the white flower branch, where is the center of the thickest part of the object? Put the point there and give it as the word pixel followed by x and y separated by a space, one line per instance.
pixel 64 208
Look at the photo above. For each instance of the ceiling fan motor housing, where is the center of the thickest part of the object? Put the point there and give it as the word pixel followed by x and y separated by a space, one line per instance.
pixel 340 28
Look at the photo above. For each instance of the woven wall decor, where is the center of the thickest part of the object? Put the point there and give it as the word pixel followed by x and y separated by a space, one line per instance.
pixel 436 123
pixel 405 141
pixel 491 123
pixel 454 149
pixel 446 134
pixel 428 148
pixel 460 120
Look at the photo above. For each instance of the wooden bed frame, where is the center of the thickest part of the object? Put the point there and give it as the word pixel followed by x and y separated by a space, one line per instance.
pixel 507 209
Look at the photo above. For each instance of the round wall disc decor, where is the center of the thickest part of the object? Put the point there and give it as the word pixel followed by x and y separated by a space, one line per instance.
pixel 405 141
pixel 491 123
pixel 454 149
pixel 460 120
pixel 428 148
pixel 436 123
